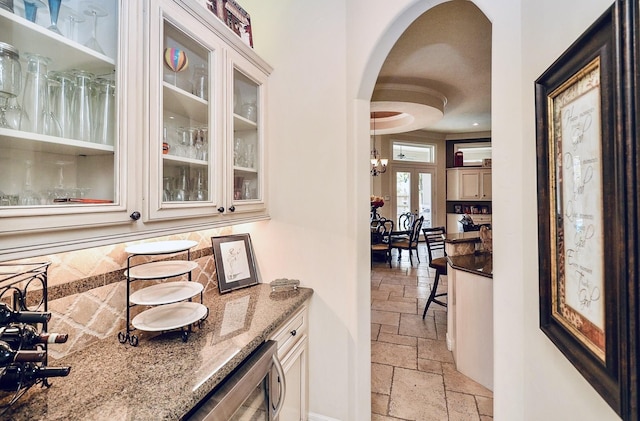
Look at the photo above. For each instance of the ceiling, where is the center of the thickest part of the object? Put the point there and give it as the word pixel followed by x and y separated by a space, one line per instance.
pixel 440 65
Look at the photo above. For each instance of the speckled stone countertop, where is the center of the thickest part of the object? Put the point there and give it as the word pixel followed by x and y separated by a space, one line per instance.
pixel 478 263
pixel 462 237
pixel 163 377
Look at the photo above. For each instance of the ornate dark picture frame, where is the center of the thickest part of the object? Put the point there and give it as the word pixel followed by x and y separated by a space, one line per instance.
pixel 235 264
pixel 584 306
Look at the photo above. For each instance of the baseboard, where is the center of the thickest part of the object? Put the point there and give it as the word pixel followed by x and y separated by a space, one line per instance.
pixel 450 342
pixel 318 417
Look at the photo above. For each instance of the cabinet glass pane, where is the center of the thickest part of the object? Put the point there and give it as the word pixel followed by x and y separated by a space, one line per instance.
pixel 58 118
pixel 246 152
pixel 185 140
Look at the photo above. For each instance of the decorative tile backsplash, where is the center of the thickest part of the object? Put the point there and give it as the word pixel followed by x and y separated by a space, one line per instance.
pixel 87 288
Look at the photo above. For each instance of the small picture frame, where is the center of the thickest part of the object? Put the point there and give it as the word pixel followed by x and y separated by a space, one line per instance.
pixel 235 264
pixel 234 16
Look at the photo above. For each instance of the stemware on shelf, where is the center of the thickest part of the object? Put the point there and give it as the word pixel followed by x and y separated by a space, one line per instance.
pixel 36 98
pixel 14 114
pixel 28 197
pixel 74 18
pixel 94 11
pixel 54 11
pixel 10 78
pixel 31 9
pixel 81 106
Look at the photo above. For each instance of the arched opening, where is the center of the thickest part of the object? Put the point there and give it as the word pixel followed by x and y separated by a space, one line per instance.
pixel 379 188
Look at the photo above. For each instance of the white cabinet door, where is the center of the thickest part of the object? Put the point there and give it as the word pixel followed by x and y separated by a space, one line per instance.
pixel 469 182
pixel 295 369
pixel 486 184
pixel 65 168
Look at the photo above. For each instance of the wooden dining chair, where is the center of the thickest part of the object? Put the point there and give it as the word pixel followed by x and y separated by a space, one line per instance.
pixel 381 240
pixel 434 238
pixel 411 242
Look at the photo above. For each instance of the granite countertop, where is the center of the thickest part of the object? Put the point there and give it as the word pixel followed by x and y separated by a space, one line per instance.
pixel 462 237
pixel 478 263
pixel 163 377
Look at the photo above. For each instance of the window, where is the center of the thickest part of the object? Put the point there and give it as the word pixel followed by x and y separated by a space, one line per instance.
pixel 413 152
pixel 474 153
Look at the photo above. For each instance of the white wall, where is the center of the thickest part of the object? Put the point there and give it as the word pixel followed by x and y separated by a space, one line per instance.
pixel 326 56
pixel 548 28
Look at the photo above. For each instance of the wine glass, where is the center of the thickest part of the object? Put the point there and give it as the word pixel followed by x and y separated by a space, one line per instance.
pixel 95 11
pixel 74 18
pixel 28 197
pixel 54 11
pixel 10 78
pixel 31 9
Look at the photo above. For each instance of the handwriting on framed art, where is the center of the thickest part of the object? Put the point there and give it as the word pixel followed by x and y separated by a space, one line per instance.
pixel 577 279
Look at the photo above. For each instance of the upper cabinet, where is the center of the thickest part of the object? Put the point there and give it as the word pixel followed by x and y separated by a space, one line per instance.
pixel 125 119
pixel 206 101
pixel 469 184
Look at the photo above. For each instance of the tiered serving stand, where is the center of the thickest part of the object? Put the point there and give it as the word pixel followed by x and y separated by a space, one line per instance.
pixel 170 303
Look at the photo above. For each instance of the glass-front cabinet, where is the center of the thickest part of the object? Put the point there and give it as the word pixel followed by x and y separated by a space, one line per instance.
pixel 61 120
pixel 125 119
pixel 206 147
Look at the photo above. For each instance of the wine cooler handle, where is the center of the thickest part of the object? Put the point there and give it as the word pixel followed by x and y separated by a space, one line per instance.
pixel 283 387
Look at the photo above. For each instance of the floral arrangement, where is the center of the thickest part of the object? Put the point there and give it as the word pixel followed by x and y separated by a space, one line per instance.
pixel 377 201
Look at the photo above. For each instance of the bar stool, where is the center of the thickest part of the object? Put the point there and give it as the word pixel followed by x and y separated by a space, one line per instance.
pixel 434 237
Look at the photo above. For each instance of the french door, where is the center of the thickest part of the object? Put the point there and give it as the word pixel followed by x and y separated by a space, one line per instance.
pixel 412 189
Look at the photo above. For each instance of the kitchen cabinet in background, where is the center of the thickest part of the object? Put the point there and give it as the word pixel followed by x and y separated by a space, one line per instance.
pixel 469 184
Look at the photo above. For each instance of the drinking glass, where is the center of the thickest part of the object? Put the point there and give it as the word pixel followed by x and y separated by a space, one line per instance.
pixel 10 78
pixel 81 106
pixel 199 192
pixel 14 114
pixel 105 112
pixel 95 11
pixel 181 190
pixel 200 81
pixel 60 92
pixel 35 98
pixel 31 9
pixel 74 18
pixel 54 11
pixel 28 197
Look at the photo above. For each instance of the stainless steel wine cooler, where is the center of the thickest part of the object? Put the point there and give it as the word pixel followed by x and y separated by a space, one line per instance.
pixel 254 391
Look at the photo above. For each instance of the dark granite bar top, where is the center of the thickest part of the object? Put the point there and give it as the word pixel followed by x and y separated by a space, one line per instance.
pixel 163 377
pixel 462 237
pixel 478 263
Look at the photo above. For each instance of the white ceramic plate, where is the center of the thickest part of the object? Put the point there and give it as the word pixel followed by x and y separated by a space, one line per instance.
pixel 161 247
pixel 164 269
pixel 170 316
pixel 166 292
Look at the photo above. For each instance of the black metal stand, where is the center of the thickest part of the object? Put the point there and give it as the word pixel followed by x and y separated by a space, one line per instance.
pixel 127 335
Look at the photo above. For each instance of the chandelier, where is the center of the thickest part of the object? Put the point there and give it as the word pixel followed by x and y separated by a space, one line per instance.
pixel 378 165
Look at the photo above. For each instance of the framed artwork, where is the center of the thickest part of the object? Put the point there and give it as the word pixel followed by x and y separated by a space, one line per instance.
pixel 235 265
pixel 581 210
pixel 234 16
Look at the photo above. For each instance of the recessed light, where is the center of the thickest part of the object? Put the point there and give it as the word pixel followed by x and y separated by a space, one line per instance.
pixel 475 124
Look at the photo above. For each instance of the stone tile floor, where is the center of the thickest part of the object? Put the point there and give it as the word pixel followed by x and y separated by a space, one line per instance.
pixel 413 375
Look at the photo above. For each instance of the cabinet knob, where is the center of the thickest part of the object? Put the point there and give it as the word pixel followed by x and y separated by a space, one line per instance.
pixel 220 209
pixel 293 332
pixel 135 215
pixel 232 208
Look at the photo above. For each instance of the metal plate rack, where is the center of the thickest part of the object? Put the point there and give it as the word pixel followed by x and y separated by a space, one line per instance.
pixel 170 304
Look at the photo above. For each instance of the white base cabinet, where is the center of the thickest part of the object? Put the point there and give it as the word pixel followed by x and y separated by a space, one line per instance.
pixel 292 340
